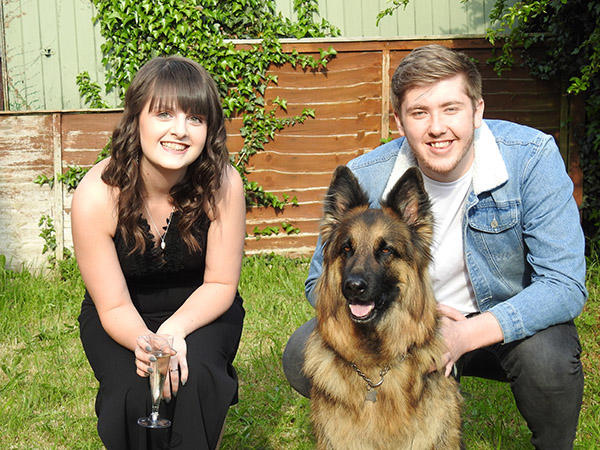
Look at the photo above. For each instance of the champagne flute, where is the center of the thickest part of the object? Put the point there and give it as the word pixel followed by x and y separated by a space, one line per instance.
pixel 160 345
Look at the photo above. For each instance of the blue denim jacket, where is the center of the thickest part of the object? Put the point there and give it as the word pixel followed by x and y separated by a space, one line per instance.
pixel 523 243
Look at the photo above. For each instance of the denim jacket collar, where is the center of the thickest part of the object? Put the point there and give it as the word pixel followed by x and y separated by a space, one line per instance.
pixel 489 170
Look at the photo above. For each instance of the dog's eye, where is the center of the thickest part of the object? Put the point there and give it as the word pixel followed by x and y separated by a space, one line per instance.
pixel 385 250
pixel 347 248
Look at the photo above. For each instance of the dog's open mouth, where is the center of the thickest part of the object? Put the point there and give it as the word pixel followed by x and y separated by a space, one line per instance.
pixel 361 312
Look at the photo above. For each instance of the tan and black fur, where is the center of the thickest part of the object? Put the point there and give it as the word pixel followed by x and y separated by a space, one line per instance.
pixel 375 308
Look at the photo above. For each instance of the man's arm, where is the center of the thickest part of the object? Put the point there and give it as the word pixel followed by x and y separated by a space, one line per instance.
pixel 314 272
pixel 554 245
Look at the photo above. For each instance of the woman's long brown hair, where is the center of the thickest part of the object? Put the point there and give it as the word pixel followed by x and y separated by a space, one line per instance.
pixel 168 82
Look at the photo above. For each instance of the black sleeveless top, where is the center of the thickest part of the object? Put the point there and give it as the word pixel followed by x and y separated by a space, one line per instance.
pixel 160 280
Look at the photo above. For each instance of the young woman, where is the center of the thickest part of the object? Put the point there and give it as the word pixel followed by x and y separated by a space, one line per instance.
pixel 158 231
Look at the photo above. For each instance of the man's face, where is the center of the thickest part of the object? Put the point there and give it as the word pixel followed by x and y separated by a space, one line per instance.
pixel 439 122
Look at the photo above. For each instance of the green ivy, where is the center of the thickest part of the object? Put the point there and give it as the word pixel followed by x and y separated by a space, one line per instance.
pixel 137 30
pixel 48 234
pixel 286 227
pixel 395 4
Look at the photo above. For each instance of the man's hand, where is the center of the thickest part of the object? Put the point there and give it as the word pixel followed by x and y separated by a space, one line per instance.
pixel 462 335
pixel 451 332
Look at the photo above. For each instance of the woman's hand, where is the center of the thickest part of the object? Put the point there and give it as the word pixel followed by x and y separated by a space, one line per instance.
pixel 144 358
pixel 178 368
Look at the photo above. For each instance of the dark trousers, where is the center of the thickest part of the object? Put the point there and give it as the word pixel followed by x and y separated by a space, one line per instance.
pixel 544 372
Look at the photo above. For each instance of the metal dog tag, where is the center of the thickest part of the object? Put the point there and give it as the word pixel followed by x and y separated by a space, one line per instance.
pixel 371 396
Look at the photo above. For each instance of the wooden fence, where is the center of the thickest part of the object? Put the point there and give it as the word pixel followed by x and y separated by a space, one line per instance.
pixel 353 114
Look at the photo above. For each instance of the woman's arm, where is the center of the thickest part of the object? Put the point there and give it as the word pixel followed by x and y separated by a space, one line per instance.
pixel 94 220
pixel 224 249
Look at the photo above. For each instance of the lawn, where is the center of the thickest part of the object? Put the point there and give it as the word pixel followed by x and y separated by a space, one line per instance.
pixel 47 389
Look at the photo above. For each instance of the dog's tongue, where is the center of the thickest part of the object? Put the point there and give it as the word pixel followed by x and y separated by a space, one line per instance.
pixel 361 310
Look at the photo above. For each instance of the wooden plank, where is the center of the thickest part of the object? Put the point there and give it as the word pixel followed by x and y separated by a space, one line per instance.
pixel 440 18
pixel 57 190
pixel 423 14
pixel 26 151
pixel 525 101
pixel 405 20
pixel 49 54
pixel 458 21
pixel 306 163
pixel 343 70
pixel 517 86
pixel 295 244
pixel 317 95
pixel 307 211
pixel 325 144
pixel 85 135
pixel 477 18
pixel 344 126
pixel 346 107
pixel 368 13
pixel 385 92
pixel 286 180
pixel 353 15
pixel 284 7
pixel 388 26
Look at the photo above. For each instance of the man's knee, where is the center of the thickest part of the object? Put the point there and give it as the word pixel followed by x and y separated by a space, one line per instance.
pixel 293 358
pixel 549 359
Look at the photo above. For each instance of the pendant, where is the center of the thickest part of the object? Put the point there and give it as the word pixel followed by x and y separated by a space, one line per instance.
pixel 162 245
pixel 371 396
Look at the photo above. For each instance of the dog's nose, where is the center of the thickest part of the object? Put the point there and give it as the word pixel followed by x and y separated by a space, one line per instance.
pixel 355 286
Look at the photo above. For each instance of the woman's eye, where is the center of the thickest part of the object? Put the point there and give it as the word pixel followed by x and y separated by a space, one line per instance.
pixel 196 119
pixel 163 115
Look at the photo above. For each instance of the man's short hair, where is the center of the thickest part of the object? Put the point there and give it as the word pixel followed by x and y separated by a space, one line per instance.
pixel 430 64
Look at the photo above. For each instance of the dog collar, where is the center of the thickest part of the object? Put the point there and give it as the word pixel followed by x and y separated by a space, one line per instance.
pixel 371 394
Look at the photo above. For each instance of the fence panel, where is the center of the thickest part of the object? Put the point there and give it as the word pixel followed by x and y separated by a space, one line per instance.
pixel 352 114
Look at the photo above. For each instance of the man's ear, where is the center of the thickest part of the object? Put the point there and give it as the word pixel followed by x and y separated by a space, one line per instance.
pixel 478 113
pixel 399 124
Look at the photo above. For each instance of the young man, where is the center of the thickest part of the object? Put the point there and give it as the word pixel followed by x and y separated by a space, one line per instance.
pixel 508 265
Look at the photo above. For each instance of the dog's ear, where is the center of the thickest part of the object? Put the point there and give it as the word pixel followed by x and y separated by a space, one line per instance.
pixel 410 201
pixel 344 194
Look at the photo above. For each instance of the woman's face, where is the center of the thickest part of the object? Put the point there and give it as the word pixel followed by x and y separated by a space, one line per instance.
pixel 171 139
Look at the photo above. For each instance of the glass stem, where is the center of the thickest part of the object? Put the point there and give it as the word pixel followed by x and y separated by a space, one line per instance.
pixel 154 413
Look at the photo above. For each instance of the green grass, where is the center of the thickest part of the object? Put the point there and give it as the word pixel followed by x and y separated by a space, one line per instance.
pixel 47 389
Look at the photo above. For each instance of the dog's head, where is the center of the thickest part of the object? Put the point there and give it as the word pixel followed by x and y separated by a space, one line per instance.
pixel 376 256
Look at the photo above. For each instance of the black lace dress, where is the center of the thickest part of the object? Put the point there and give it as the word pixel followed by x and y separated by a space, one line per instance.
pixel 159 282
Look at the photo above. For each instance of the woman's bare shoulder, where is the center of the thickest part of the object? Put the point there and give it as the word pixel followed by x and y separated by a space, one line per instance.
pixel 93 196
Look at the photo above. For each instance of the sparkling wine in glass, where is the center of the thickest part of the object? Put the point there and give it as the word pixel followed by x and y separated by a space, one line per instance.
pixel 160 345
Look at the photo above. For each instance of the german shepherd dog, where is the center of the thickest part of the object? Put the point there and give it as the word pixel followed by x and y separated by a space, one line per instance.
pixel 372 356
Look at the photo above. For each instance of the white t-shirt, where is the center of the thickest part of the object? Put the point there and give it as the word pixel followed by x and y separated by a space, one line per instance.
pixel 448 270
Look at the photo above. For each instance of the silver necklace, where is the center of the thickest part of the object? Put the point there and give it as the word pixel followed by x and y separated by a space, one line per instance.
pixel 164 235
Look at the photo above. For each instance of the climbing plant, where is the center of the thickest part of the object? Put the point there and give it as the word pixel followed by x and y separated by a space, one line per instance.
pixel 137 30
